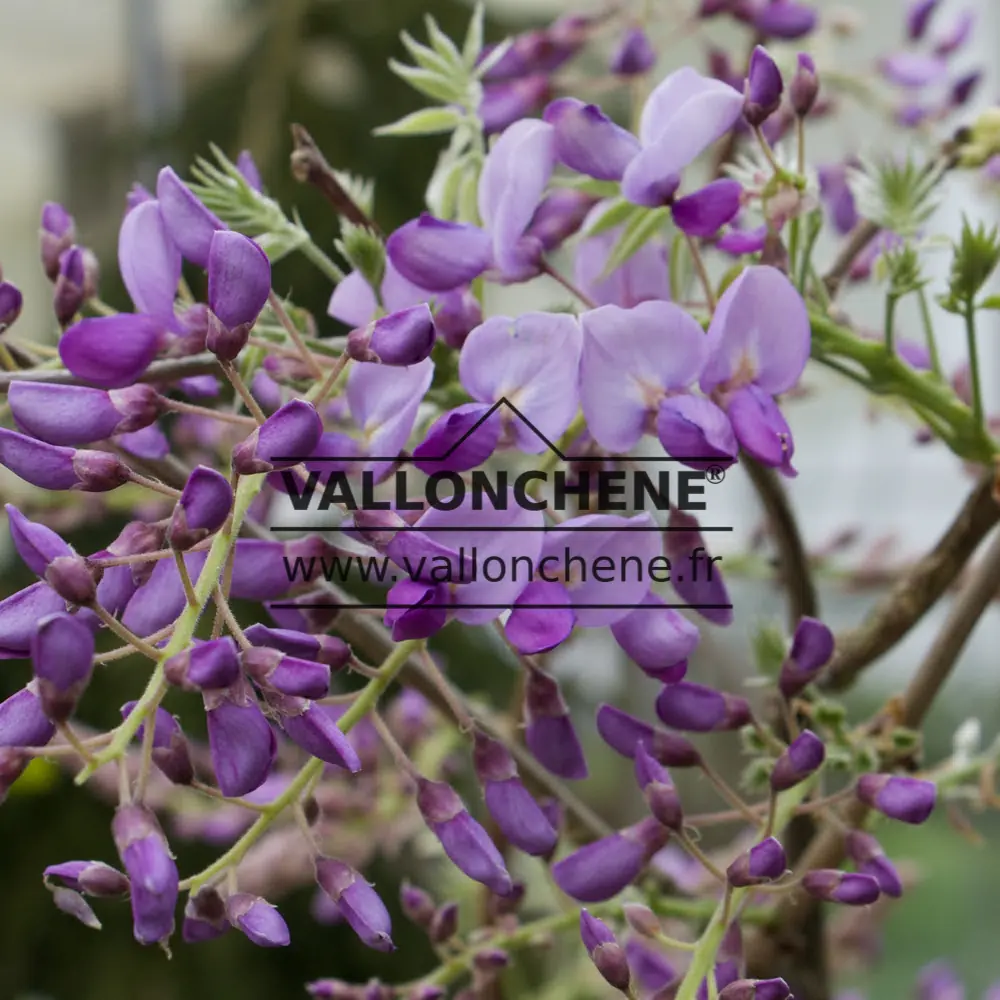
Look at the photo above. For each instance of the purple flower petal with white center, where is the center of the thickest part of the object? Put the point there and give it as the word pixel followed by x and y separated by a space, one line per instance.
pixel 287 437
pixel 534 630
pixel 785 19
pixel 683 116
pixel 190 225
pixel 19 615
pixel 656 637
pixel 913 70
pixel 532 362
pixel 358 902
pixel 692 427
pixel 707 210
pixel 416 610
pixel 698 709
pixel 760 333
pixel 241 740
pixel 761 428
pixel 631 359
pixel 111 351
pixel 439 255
pixel 460 439
pixel 841 887
pixel 601 869
pixel 635 54
pixel 511 185
pixel 239 278
pixel 54 468
pixel 549 733
pixel 588 141
pixel 258 919
pixel 150 262
pixel 909 800
pixel 508 101
pixel 643 277
pixel 23 722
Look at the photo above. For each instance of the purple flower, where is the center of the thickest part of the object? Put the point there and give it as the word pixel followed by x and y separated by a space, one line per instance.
pixel 605 952
pixel 804 755
pixel 400 339
pixel 623 733
pixel 635 54
pixel 240 739
pixel 150 263
pixel 69 294
pixel 549 732
pixel 360 905
pixel 764 862
pixel 57 234
pixel 759 343
pixel 763 89
pixel 62 656
pixel 508 101
pixel 111 352
pixel 756 989
pixel 202 509
pixel 910 800
pixel 328 649
pixel 836 193
pixel 804 88
pixel 23 722
pixel 701 584
pixel 46 554
pixel 170 748
pixel 258 919
pixel 204 917
pixel 918 16
pixel 151 871
pixel 515 812
pixel 205 666
pixel 287 437
pixel 560 214
pixel 439 255
pixel 587 141
pixel 465 842
pixel 699 709
pixel 683 116
pixel 707 210
pixel 866 852
pixel 94 878
pixel 841 887
pixel 785 19
pixel 812 647
pixel 11 301
pixel 189 224
pixel 650 967
pixel 239 282
pixel 658 789
pixel 75 415
pixel 458 312
pixel 913 70
pixel 314 729
pixel 657 638
pixel 19 614
pixel 270 668
pixel 601 869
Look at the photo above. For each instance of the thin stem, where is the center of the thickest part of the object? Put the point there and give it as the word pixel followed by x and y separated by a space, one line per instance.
pixel 977 385
pixel 800 137
pixel 146 758
pixel 699 855
pixel 772 806
pixel 124 633
pixel 240 386
pixel 561 278
pixel 66 731
pixel 702 271
pixel 462 716
pixel 230 619
pixel 890 323
pixel 178 406
pixel 320 390
pixel 153 484
pixel 728 793
pixel 766 147
pixel 928 324
pixel 214 793
pixel 323 263
pixel 278 308
pixel 182 570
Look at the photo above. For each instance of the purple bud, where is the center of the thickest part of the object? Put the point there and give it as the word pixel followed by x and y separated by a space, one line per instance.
pixel 94 878
pixel 866 852
pixel 190 225
pixel 457 314
pixel 208 665
pixel 258 919
pixel 170 747
pixel 241 741
pixel 549 732
pixel 110 352
pixel 18 615
pixel 756 989
pixel 624 732
pixel 963 88
pixel 634 55
pixel 360 904
pixel 600 870
pixel 515 812
pixel 690 427
pixel 764 862
pixel 918 16
pixel 416 904
pixel 804 755
pixel 53 468
pixel 706 211
pixel 62 655
pixel 204 917
pixel 841 887
pixel 559 216
pixel 239 279
pixel 439 255
pixel 785 19
pixel 804 87
pixel 151 871
pixel 402 338
pixel 605 952
pixel 443 924
pixel 202 509
pixel 910 800
pixel 465 842
pixel 699 709
pixel 68 296
pixel 703 586
pixel 57 234
pixel 287 674
pixel 658 788
pixel 509 101
pixel 287 437
pixel 812 647
pixel 328 649
pixel 75 414
pixel 313 728
pixel 657 641
pixel 11 301
pixel 73 904
pixel 763 88
pixel 23 723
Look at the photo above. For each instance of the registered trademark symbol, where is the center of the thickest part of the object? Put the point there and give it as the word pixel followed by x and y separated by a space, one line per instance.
pixel 716 473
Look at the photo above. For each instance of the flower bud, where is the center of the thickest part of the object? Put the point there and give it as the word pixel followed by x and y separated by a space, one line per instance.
pixel 62 655
pixel 94 878
pixel 111 352
pixel 328 649
pixel 803 757
pixel 658 788
pixel 699 709
pixel 866 852
pixel 508 101
pixel 53 468
pixel 204 917
pixel 763 88
pixel 559 215
pixel 207 665
pixel 18 615
pixel 402 338
pixel 457 314
pixel 910 800
pixel 313 728
pixel 286 674
pixel 68 296
pixel 241 741
pixel 360 905
pixel 756 989
pixel 623 733
pixel 657 641
pixel 23 723
pixel 465 842
pixel 764 862
pixel 918 16
pixel 73 904
pixel 287 437
pixel 605 952
pixel 635 54
pixel 812 647
pixel 11 301
pixel 804 88
pixel 151 871
pixel 549 732
pixel 703 588
pixel 258 919
pixel 416 904
pixel 841 887
pixel 784 19
pixel 188 222
pixel 170 747
pixel 703 213
pixel 642 919
pixel 57 234
pixel 204 505
pixel 239 279
pixel 444 923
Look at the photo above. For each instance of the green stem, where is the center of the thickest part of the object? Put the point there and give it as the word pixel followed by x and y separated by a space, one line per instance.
pixel 323 263
pixel 365 702
pixel 932 348
pixel 977 388
pixel 247 490
pixel 890 323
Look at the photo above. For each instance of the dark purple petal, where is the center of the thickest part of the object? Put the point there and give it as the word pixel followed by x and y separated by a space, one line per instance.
pixel 623 733
pixel 19 615
pixel 239 278
pixel 509 101
pixel 358 902
pixel 290 435
pixel 401 339
pixel 202 509
pixel 23 723
pixel 439 255
pixel 110 351
pixel 241 741
pixel 692 427
pixel 764 862
pixel 699 709
pixel 316 732
pixel 258 919
pixel 785 19
pixel 804 755
pixel 841 887
pixel 535 630
pixel 635 54
pixel 589 142
pixel 549 733
pixel 910 800
pixel 655 637
pixel 707 210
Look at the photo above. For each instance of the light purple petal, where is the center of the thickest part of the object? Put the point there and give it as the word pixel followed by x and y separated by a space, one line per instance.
pixel 761 428
pixel 587 141
pixel 630 358
pixel 913 69
pixel 439 255
pixel 149 261
pixel 785 19
pixel 190 225
pixel 149 442
pixel 460 439
pixel 110 352
pixel 535 630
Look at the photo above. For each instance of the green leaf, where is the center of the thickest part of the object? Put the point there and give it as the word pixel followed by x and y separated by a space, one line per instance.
pixel 588 185
pixel 426 58
pixel 990 302
pixel 680 267
pixel 443 45
pixel 429 121
pixel 977 254
pixel 366 254
pixel 769 648
pixel 641 228
pixel 473 43
pixel 428 83
pixel 617 213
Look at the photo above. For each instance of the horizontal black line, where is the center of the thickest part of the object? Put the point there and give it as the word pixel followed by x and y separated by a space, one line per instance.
pixel 501 607
pixel 515 529
pixel 363 459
